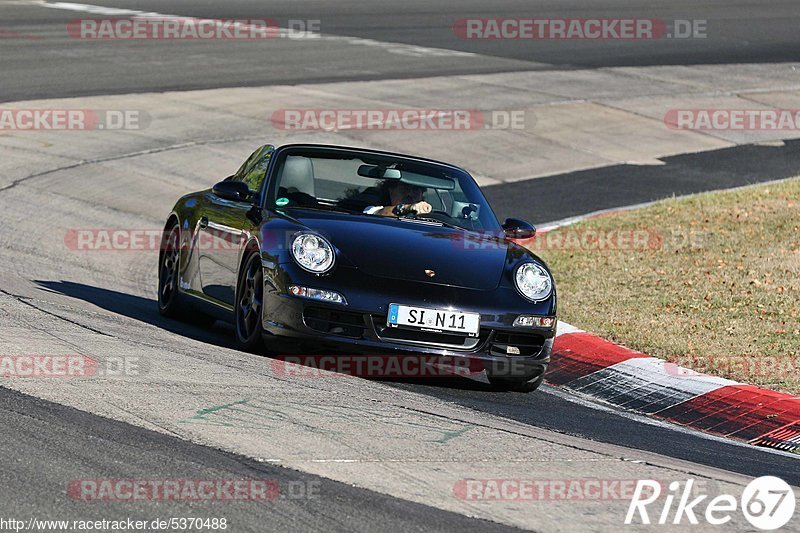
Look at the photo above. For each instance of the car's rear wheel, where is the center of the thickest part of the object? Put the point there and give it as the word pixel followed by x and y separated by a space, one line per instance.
pixel 170 300
pixel 168 271
pixel 250 303
pixel 504 383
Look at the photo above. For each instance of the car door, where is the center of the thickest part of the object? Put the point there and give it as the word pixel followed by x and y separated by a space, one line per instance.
pixel 224 228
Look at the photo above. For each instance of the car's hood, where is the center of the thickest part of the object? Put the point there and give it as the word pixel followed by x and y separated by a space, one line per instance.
pixel 402 249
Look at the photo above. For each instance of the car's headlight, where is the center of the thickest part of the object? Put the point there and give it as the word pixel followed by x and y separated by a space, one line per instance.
pixel 533 282
pixel 312 252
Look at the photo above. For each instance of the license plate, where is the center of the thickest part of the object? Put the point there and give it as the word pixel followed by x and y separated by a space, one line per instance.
pixel 436 320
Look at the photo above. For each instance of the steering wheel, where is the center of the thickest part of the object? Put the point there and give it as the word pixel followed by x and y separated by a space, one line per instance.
pixel 436 215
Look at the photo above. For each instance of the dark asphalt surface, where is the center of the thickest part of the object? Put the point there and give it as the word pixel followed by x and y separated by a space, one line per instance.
pixel 38 59
pixel 576 193
pixel 546 410
pixel 47 445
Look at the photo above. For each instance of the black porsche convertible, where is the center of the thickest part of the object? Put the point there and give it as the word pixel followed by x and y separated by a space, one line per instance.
pixel 315 247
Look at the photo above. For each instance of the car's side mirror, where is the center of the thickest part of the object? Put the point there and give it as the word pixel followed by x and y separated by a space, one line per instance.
pixel 238 191
pixel 518 229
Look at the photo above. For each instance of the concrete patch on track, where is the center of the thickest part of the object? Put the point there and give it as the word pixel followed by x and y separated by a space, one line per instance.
pixel 62 446
pixel 571 121
pixel 347 429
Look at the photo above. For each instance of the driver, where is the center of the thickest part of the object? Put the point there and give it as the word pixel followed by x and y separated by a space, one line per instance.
pixel 403 200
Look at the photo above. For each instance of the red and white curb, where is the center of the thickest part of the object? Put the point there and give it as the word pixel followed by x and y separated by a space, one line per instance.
pixel 634 381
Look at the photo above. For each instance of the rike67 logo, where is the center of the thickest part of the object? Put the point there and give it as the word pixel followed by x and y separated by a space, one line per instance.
pixel 767 503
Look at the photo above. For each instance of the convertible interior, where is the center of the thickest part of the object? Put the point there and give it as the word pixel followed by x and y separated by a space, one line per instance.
pixel 352 185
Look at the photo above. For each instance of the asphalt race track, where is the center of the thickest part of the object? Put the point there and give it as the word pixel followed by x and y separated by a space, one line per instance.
pixel 623 185
pixel 56 301
pixel 83 441
pixel 742 33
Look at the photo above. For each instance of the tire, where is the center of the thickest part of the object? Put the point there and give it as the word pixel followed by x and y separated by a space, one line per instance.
pixel 169 303
pixel 249 304
pixel 515 385
pixel 508 376
pixel 170 300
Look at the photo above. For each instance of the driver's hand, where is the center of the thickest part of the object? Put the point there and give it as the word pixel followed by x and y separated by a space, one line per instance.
pixel 420 208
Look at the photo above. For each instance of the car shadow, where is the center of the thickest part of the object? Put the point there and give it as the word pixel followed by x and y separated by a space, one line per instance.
pixel 141 309
pixel 443 382
pixel 146 310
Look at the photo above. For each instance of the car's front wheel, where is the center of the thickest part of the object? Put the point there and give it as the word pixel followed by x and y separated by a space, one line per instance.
pixel 249 304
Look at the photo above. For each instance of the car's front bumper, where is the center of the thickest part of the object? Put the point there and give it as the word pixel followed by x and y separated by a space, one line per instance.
pixel 359 328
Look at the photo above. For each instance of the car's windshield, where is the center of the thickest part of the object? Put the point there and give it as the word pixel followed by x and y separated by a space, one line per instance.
pixel 364 183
